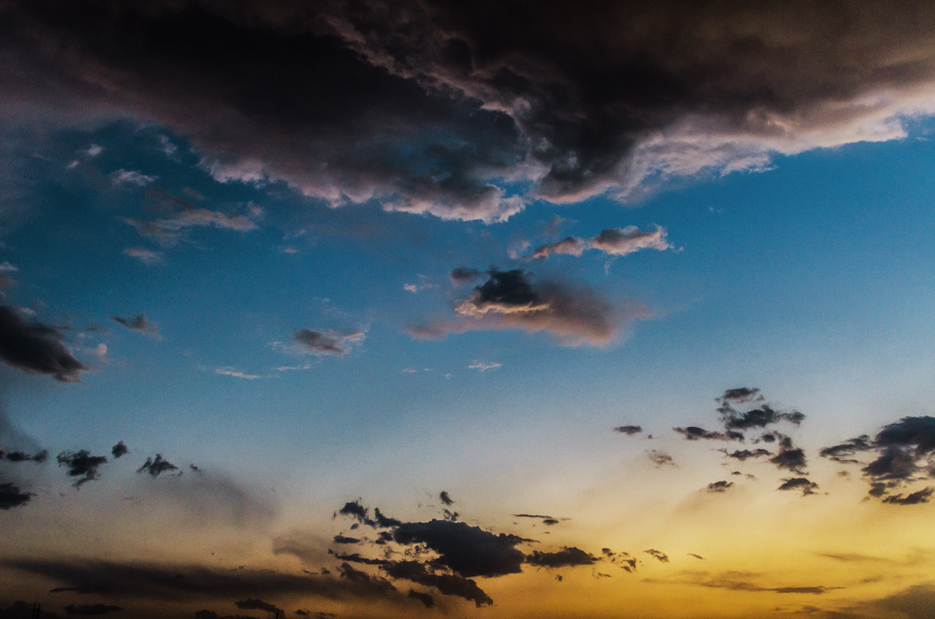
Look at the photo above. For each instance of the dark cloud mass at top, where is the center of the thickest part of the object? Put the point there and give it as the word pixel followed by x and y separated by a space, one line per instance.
pixel 36 348
pixel 434 106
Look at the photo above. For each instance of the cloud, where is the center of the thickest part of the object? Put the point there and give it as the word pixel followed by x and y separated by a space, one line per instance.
pixel 82 465
pixel 510 300
pixel 447 584
pixel 468 551
pixel 330 342
pixel 629 430
pixel 463 275
pixel 427 600
pixel 120 449
pixel 913 498
pixel 566 557
pixel 139 324
pixel 11 496
pixel 257 604
pixel 843 452
pixel 481 99
pixel 694 433
pixel 790 457
pixel 157 467
pixel 740 395
pixel 169 231
pixel 660 458
pixel 36 348
pixel 138 580
pixel 131 177
pixel 445 499
pixel 341 539
pixel 658 555
pixel 19 456
pixel 235 373
pixel 546 520
pixel 146 256
pixel 480 366
pixel 745 454
pixel 720 486
pixel 799 483
pixel 613 241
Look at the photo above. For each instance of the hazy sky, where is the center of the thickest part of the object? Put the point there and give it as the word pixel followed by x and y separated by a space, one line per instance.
pixel 473 309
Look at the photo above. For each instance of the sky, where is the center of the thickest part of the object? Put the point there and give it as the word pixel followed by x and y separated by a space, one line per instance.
pixel 467 309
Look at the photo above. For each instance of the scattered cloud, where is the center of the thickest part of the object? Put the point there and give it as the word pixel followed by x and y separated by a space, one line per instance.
pixel 463 275
pixel 480 366
pixel 11 496
pixel 36 348
pixel 257 604
pixel 81 464
pixel 629 430
pixel 139 324
pixel 566 557
pixel 799 483
pixel 120 449
pixel 234 372
pixel 612 241
pixel 660 458
pixel 157 467
pixel 131 177
pixel 146 256
pixel 168 231
pixel 913 498
pixel 658 555
pixel 331 342
pixel 720 486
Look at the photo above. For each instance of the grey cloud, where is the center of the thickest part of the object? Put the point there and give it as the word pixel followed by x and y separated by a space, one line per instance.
pixel 139 324
pixel 694 433
pixel 120 449
pixel 660 458
pixel 156 467
pixel 341 539
pixel 719 486
pixel 845 451
pixel 462 275
pixel 11 496
pixel 214 497
pixel 19 456
pixel 427 600
pixel 806 486
pixel 745 454
pixel 447 584
pixel 7 281
pixel 258 604
pixel 36 348
pixel 546 520
pixel 566 557
pixel 913 498
pixel 444 498
pixel 790 457
pixel 740 395
pixel 629 430
pixel 658 555
pixel 510 300
pixel 466 550
pixel 81 464
pixel 170 231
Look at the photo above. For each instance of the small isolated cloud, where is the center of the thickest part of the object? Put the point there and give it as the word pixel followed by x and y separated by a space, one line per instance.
pixel 36 348
pixel 546 519
pixel 235 373
pixel 146 256
pixel 660 458
pixel 612 241
pixel 93 150
pixel 566 557
pixel 799 483
pixel 745 454
pixel 445 499
pixel 6 267
pixel 139 324
pixel 131 177
pixel 11 496
pixel 720 486
pixel 331 342
pixel 20 456
pixel 573 315
pixel 120 449
pixel 422 285
pixel 629 430
pixel 156 467
pixel 658 555
pixel 480 366
pixel 694 433
pixel 82 465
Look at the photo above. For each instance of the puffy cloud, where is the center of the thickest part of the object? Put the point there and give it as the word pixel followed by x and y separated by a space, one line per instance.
pixel 660 458
pixel 566 557
pixel 36 348
pixel 81 464
pixel 139 324
pixel 694 433
pixel 806 486
pixel 745 454
pixel 613 241
pixel 913 498
pixel 131 177
pixel 629 430
pixel 427 600
pixel 258 604
pixel 658 555
pixel 790 457
pixel 120 449
pixel 719 486
pixel 461 275
pixel 510 300
pixel 445 499
pixel 466 550
pixel 845 451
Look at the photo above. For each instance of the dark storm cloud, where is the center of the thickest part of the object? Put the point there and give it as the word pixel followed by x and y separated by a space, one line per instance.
pixel 158 466
pixel 573 315
pixel 658 555
pixel 719 486
pixel 427 600
pixel 91 610
pixel 11 496
pixel 328 343
pixel 629 430
pixel 82 465
pixel 139 324
pixel 913 498
pixel 799 483
pixel 566 557
pixel 257 604
pixel 36 348
pixel 468 551
pixel 158 582
pixel 120 449
pixel 435 107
